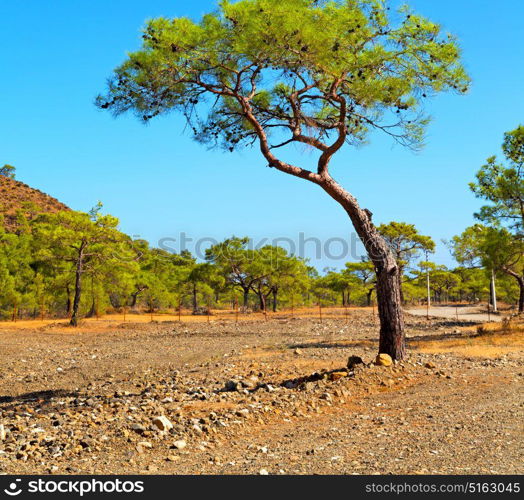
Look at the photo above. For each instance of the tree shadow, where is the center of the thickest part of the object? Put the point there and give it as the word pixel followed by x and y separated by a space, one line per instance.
pixel 435 337
pixel 334 345
pixel 441 322
pixel 367 342
pixel 37 396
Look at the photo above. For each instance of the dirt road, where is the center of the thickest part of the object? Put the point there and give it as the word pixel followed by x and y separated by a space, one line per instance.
pixel 461 313
pixel 261 396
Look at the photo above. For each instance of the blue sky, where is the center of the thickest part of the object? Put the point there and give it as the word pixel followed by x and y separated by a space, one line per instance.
pixel 56 55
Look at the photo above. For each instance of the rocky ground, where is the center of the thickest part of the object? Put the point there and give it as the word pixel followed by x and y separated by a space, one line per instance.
pixel 271 397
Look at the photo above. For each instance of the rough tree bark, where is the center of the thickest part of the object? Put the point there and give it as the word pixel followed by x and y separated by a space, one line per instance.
pixel 78 283
pixel 390 312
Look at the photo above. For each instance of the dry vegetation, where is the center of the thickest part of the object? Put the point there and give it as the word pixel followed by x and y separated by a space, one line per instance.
pixel 16 196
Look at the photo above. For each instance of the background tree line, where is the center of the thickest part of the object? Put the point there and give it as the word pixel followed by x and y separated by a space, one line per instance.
pixel 74 264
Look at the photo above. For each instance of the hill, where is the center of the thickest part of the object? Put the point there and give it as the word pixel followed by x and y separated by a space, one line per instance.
pixel 19 198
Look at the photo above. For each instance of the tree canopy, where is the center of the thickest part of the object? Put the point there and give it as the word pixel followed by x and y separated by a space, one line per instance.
pixel 503 185
pixel 297 70
pixel 8 171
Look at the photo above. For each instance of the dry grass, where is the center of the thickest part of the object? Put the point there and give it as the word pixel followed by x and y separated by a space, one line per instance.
pixel 15 194
pixel 111 321
pixel 490 340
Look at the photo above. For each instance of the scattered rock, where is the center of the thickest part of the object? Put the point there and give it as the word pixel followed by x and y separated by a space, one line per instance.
pixel 354 361
pixel 138 428
pixel 162 423
pixel 337 375
pixel 180 444
pixel 231 386
pixel 383 360
pixel 143 445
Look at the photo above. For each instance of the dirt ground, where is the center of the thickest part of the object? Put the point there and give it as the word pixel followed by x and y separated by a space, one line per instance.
pixel 460 313
pixel 257 397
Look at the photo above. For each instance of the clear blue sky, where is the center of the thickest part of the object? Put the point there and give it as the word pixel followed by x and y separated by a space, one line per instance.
pixel 56 55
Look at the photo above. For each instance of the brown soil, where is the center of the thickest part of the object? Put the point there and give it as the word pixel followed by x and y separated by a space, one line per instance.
pixel 15 196
pixel 84 400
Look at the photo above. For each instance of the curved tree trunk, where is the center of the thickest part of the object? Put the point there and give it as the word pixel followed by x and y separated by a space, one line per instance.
pixel 275 292
pixel 392 339
pixel 136 293
pixel 388 292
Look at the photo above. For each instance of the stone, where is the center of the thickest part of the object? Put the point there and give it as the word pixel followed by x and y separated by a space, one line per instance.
pixel 430 365
pixel 86 443
pixel 180 444
pixel 263 472
pixel 3 433
pixel 337 375
pixel 354 361
pixel 231 386
pixel 139 428
pixel 162 423
pixel 298 352
pixel 251 383
pixel 383 360
pixel 196 428
pixel 140 447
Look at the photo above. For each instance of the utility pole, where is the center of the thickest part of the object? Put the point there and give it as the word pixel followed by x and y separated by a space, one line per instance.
pixel 493 292
pixel 428 302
